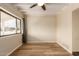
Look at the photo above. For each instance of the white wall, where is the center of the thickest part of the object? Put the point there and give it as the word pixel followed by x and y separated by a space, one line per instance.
pixel 75 31
pixel 9 43
pixel 65 27
pixel 41 28
pixel 64 30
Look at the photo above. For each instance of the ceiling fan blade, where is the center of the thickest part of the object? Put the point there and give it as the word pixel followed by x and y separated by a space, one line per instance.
pixel 33 5
pixel 43 7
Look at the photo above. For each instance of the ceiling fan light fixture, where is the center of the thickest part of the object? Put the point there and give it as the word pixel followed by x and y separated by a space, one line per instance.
pixel 40 4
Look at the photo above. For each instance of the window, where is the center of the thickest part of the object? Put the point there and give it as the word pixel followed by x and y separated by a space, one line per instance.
pixel 22 26
pixel 18 26
pixel 9 24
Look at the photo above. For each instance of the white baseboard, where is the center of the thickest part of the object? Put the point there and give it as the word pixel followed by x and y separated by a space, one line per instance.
pixel 41 42
pixel 14 50
pixel 64 47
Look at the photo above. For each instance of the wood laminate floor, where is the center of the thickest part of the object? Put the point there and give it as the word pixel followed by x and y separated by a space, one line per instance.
pixel 41 49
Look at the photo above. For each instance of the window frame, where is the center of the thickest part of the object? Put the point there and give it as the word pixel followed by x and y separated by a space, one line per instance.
pixel 16 26
pixel 16 23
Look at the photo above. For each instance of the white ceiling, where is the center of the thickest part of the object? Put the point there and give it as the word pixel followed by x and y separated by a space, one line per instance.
pixel 51 8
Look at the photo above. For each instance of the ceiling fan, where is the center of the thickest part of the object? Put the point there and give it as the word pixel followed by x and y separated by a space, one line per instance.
pixel 42 5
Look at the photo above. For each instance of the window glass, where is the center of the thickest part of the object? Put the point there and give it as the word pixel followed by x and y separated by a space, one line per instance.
pixel 18 26
pixel 8 24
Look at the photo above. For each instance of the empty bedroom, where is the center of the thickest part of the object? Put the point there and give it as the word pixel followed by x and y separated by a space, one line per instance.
pixel 39 29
